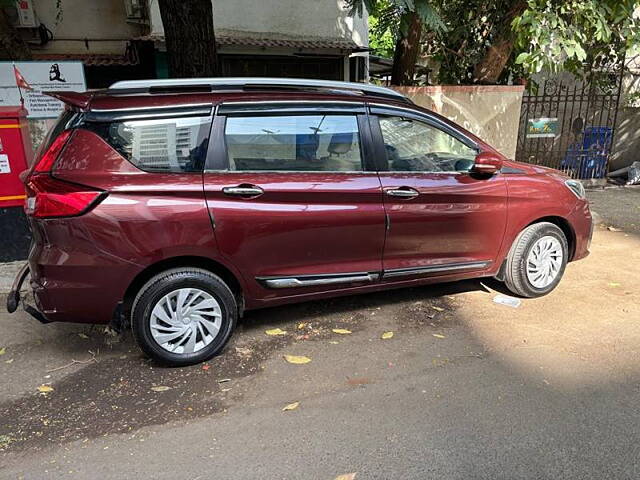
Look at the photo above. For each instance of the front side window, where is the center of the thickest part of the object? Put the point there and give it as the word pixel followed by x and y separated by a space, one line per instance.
pixel 414 146
pixel 293 143
pixel 162 145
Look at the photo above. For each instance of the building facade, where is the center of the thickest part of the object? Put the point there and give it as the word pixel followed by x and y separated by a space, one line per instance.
pixel 282 38
pixel 124 39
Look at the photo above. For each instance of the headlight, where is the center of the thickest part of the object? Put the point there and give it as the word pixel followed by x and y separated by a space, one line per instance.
pixel 576 187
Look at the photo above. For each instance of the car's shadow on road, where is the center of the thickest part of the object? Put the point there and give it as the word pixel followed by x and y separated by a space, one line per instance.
pixel 84 340
pixel 105 377
pixel 301 312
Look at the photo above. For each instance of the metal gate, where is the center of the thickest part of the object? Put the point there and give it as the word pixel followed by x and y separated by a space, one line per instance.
pixel 569 123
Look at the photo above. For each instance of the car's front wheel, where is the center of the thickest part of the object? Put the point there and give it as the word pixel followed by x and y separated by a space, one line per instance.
pixel 537 260
pixel 183 316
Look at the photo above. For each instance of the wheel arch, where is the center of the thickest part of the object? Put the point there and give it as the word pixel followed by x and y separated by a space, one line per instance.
pixel 560 222
pixel 564 225
pixel 183 261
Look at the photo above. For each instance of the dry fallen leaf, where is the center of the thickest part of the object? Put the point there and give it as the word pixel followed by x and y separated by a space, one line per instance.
pixel 437 335
pixel 341 331
pixel 614 229
pixel 614 284
pixel 291 406
pixel 82 335
pixel 275 331
pixel 45 388
pixel 437 309
pixel 387 335
pixel 9 361
pixel 206 367
pixel 301 325
pixel 3 351
pixel 346 476
pixel 160 388
pixel 333 342
pixel 297 360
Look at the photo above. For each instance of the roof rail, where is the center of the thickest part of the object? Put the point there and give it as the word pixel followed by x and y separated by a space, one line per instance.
pixel 250 83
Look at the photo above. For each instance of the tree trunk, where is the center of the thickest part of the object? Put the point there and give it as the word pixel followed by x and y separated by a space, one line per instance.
pixel 492 64
pixel 189 37
pixel 12 46
pixel 406 52
pixel 489 69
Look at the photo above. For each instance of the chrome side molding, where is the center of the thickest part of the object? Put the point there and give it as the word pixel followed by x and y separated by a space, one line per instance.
pixel 364 277
pixel 449 267
pixel 317 280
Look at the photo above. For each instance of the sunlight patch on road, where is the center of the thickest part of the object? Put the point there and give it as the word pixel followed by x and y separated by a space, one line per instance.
pixel 585 332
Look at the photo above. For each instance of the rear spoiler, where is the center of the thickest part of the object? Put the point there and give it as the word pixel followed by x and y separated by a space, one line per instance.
pixel 79 100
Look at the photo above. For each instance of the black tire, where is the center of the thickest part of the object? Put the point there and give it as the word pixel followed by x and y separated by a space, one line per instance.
pixel 174 279
pixel 515 268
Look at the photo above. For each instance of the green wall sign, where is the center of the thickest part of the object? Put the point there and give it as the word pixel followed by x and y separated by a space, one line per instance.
pixel 542 127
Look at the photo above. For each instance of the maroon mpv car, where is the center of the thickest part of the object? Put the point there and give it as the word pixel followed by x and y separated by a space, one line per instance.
pixel 178 204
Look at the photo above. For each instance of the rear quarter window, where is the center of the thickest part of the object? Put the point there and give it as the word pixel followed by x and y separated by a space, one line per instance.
pixel 66 120
pixel 160 145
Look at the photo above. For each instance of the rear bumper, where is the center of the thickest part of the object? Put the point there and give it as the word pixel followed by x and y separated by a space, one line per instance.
pixel 13 299
pixel 78 294
pixel 70 284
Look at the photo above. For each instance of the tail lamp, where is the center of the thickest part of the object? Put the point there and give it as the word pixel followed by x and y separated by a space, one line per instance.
pixel 49 157
pixel 50 197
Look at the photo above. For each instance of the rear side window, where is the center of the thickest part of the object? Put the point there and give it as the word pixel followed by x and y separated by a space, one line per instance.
pixel 159 145
pixel 294 143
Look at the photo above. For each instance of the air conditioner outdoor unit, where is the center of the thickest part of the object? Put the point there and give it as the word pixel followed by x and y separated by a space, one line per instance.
pixel 136 10
pixel 21 14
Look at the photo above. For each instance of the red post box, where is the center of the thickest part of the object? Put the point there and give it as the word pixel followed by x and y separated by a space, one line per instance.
pixel 15 155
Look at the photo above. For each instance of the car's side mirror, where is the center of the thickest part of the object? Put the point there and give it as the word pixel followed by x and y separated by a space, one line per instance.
pixel 487 163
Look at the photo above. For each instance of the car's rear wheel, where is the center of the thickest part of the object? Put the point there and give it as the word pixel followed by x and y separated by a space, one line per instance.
pixel 537 260
pixel 183 316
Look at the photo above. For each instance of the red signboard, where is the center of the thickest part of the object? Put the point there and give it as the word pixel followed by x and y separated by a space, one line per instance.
pixel 15 155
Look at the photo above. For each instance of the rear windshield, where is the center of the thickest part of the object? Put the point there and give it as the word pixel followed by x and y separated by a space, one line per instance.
pixel 158 145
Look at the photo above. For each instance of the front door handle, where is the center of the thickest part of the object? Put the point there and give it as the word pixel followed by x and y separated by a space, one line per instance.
pixel 402 192
pixel 243 191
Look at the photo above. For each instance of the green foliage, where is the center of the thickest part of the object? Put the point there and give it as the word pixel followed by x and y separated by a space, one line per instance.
pixel 381 40
pixel 429 15
pixel 576 35
pixel 472 27
pixel 388 14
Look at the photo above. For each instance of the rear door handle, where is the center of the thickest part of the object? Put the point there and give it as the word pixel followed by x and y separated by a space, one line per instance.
pixel 402 192
pixel 243 191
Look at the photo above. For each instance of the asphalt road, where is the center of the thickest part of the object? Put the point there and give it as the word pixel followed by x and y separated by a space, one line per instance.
pixel 465 389
pixel 620 206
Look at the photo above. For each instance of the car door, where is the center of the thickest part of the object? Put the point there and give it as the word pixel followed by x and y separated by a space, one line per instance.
pixel 441 217
pixel 294 204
